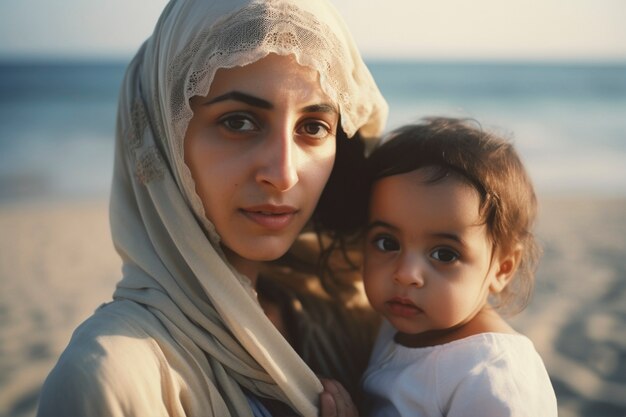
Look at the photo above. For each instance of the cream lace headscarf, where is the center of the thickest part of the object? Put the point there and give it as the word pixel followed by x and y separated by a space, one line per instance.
pixel 172 262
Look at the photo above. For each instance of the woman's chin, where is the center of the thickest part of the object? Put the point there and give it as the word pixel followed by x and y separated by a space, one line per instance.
pixel 258 250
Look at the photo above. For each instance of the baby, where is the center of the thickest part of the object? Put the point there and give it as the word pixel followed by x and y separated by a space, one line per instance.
pixel 448 247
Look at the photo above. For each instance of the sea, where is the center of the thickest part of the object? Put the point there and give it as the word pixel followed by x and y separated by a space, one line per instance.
pixel 568 120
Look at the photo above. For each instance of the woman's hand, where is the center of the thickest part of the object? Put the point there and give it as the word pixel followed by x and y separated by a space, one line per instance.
pixel 335 400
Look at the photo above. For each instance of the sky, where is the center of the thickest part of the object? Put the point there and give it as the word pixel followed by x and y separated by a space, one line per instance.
pixel 585 30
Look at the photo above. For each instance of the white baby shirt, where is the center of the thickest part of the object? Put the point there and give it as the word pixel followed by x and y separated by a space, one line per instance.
pixel 485 375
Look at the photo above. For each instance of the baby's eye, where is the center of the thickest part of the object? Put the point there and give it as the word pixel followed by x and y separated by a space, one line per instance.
pixel 314 129
pixel 386 243
pixel 444 255
pixel 238 123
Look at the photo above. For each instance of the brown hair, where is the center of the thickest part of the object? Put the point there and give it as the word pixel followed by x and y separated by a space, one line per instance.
pixel 489 163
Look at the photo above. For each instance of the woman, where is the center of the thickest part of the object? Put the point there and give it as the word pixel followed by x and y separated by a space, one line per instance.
pixel 232 118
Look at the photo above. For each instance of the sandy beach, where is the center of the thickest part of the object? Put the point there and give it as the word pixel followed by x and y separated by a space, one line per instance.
pixel 57 264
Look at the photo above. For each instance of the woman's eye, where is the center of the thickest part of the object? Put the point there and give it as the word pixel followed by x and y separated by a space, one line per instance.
pixel 386 244
pixel 444 255
pixel 314 129
pixel 238 123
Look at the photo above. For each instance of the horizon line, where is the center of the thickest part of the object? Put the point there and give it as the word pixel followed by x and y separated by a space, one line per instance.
pixel 28 58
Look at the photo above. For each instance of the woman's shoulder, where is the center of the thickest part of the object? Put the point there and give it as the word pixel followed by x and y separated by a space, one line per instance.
pixel 109 356
pixel 112 336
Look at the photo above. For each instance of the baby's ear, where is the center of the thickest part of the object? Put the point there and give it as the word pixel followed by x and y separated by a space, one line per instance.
pixel 506 266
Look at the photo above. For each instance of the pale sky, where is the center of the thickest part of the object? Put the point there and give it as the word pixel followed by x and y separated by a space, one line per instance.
pixel 440 29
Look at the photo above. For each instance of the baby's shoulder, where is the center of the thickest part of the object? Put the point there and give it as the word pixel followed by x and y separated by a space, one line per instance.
pixel 487 343
pixel 504 371
pixel 477 353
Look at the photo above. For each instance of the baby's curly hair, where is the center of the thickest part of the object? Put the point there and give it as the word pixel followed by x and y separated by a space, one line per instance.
pixel 490 164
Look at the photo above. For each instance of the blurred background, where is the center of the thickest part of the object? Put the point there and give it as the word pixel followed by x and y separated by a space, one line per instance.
pixel 549 74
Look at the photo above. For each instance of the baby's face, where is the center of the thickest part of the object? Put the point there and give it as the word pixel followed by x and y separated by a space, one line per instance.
pixel 428 259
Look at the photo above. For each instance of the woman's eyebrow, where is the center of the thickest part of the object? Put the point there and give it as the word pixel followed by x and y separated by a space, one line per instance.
pixel 320 108
pixel 243 97
pixel 264 104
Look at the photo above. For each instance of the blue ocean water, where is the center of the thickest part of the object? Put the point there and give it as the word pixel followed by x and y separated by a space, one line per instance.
pixel 57 120
pixel 57 124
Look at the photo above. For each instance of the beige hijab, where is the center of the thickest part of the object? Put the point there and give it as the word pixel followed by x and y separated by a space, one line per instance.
pixel 172 262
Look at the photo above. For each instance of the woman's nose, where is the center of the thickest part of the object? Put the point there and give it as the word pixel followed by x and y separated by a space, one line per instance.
pixel 410 271
pixel 279 162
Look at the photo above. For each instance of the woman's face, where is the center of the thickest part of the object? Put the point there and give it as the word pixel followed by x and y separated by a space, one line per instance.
pixel 260 147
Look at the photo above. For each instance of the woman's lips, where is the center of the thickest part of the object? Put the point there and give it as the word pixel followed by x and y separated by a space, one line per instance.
pixel 270 216
pixel 403 307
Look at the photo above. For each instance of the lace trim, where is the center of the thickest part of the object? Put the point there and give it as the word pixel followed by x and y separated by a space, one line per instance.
pixel 138 123
pixel 149 166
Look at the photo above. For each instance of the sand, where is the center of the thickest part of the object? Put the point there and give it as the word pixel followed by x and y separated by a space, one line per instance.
pixel 57 264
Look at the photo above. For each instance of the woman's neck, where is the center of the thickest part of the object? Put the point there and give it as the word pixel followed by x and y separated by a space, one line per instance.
pixel 244 266
pixel 251 270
